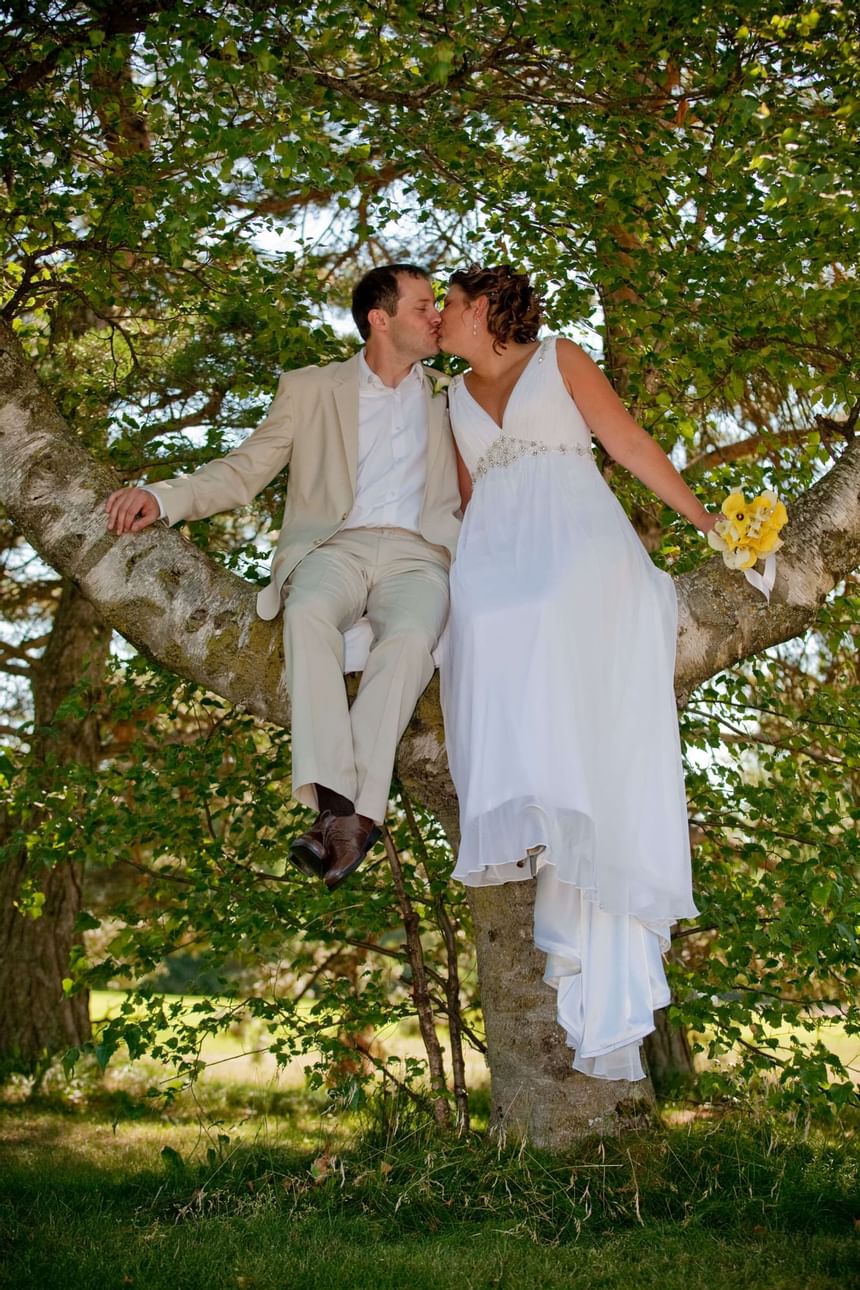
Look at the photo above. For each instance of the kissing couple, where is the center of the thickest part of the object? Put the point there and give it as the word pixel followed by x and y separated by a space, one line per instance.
pixel 475 508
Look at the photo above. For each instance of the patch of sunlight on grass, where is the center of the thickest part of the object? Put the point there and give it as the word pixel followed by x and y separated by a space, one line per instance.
pixel 240 1053
pixel 829 1031
pixel 282 1201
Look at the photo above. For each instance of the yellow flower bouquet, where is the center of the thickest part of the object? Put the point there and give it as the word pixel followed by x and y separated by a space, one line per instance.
pixel 748 532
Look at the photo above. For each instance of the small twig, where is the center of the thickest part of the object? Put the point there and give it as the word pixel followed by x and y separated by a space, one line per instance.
pixel 316 974
pixel 385 1070
pixel 13 732
pixel 452 982
pixel 760 1052
pixel 748 736
pixel 474 1039
pixel 155 873
pixel 420 992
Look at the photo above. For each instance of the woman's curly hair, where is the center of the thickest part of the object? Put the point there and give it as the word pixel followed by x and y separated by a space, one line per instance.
pixel 513 306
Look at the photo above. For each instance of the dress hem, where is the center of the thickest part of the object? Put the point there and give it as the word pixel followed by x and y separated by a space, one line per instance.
pixel 565 840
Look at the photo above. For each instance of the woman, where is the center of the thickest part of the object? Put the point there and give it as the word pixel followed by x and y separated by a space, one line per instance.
pixel 557 671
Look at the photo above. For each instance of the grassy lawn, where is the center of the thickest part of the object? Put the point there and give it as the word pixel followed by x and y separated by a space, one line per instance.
pixel 250 1182
pixel 270 1191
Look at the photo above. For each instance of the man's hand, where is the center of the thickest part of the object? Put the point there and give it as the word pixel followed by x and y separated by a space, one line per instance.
pixel 131 509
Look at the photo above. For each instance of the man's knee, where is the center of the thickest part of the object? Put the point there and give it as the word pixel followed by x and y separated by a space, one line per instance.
pixel 411 642
pixel 309 618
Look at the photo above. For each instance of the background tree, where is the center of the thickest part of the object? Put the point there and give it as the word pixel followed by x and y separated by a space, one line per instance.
pixel 189 188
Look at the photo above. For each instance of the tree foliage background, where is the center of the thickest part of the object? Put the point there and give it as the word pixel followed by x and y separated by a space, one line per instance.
pixel 189 191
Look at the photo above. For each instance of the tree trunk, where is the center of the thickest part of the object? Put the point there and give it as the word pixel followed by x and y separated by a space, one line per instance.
pixel 669 1056
pixel 536 1093
pixel 36 1019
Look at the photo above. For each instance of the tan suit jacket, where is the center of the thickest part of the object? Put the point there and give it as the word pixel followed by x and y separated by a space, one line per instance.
pixel 312 425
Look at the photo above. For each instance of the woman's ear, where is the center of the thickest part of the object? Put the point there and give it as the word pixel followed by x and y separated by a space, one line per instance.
pixel 481 305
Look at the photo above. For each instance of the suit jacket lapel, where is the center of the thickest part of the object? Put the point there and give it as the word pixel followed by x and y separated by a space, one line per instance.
pixel 437 405
pixel 346 402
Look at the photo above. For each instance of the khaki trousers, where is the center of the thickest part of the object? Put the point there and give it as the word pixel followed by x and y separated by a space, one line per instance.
pixel 401 582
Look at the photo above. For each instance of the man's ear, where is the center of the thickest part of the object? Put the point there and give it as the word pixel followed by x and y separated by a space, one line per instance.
pixel 378 319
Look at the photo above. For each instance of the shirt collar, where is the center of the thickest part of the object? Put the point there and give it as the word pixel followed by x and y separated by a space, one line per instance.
pixel 369 379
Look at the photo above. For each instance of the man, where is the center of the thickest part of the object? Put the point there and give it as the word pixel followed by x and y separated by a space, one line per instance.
pixel 369 527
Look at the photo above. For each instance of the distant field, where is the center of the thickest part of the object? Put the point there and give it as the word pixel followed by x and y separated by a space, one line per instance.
pixel 239 1056
pixel 236 1055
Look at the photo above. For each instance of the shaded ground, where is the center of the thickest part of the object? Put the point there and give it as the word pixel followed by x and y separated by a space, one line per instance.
pixel 267 1191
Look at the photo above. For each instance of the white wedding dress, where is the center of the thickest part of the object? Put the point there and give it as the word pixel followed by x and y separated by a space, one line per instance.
pixel 560 720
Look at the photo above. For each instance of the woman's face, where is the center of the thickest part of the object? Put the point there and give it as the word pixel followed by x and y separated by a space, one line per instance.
pixel 456 335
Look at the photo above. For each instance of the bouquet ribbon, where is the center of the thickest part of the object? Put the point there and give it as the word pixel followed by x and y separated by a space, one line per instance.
pixel 763 582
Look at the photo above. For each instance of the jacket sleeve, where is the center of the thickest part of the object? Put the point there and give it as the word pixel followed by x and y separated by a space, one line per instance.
pixel 233 481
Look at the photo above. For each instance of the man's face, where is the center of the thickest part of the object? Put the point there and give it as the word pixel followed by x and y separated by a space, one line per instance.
pixel 414 328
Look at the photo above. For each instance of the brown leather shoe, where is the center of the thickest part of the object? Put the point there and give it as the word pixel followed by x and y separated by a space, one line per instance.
pixel 348 840
pixel 308 852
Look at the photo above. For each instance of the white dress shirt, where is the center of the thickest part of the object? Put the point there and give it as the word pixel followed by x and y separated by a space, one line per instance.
pixel 391 470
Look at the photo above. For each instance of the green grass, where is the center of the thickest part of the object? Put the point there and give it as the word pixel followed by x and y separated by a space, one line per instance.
pixel 281 1195
pixel 250 1182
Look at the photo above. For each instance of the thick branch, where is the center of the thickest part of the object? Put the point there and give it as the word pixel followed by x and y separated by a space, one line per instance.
pixel 722 619
pixel 172 602
pixel 754 446
pixel 192 616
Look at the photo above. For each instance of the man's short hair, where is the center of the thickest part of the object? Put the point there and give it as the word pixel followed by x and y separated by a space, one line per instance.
pixel 380 289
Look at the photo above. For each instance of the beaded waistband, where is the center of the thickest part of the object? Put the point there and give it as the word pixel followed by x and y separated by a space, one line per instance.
pixel 505 450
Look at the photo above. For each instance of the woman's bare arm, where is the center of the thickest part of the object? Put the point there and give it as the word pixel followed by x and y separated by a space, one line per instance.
pixel 623 438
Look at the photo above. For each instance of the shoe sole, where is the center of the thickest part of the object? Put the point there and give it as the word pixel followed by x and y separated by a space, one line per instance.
pixel 372 838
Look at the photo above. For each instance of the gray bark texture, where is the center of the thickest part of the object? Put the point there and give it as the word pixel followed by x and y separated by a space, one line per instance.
pixel 180 608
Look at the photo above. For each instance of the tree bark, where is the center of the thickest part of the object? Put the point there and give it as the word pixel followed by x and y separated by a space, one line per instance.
pixel 178 607
pixel 668 1056
pixel 536 1093
pixel 36 1019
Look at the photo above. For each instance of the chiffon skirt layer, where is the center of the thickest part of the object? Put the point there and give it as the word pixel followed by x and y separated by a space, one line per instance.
pixel 562 737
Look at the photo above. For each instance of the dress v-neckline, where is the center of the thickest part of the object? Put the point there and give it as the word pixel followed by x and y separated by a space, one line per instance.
pixel 501 426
